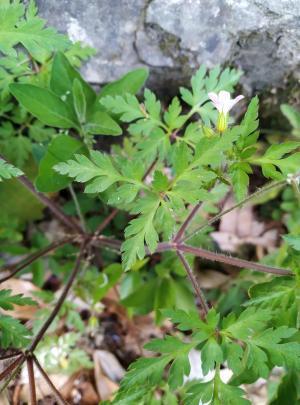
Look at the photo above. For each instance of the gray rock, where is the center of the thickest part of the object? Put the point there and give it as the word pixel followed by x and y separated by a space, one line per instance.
pixel 173 37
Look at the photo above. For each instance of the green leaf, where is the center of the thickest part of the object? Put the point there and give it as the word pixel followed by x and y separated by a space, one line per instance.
pixel 63 76
pixel 7 171
pixel 100 123
pixel 293 116
pixel 274 157
pixel 172 116
pixel 7 301
pixel 100 169
pixel 148 371
pixel 240 179
pixel 160 181
pixel 287 392
pixel 199 392
pixel 61 148
pixel 44 105
pixel 214 392
pixel 210 150
pixel 202 83
pixel 79 101
pixel 140 231
pixel 131 83
pixel 293 241
pixel 277 290
pixel 13 333
pixel 127 106
pixel 16 28
pixel 250 320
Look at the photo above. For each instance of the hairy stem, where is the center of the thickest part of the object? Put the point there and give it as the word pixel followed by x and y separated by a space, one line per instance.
pixel 194 282
pixel 233 261
pixel 214 219
pixel 60 301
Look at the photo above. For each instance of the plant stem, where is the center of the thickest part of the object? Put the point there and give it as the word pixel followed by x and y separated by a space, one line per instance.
pixel 233 261
pixel 55 392
pixel 77 207
pixel 60 301
pixel 16 363
pixel 31 258
pixel 194 282
pixel 31 379
pixel 186 223
pixel 214 219
pixel 12 373
pixel 106 221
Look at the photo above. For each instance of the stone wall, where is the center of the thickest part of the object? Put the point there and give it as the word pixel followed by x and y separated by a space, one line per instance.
pixel 172 37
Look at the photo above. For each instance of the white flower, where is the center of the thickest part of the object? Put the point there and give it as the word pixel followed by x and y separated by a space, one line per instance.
pixel 223 101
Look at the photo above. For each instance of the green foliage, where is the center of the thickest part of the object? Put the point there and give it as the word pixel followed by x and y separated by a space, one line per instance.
pixel 293 117
pixel 12 332
pixel 62 147
pixel 172 160
pixel 7 171
pixel 25 27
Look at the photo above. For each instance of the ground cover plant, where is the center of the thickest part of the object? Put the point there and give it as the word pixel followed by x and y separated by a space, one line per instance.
pixel 114 193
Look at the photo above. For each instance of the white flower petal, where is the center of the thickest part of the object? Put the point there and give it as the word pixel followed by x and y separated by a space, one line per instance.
pixel 234 101
pixel 223 101
pixel 215 100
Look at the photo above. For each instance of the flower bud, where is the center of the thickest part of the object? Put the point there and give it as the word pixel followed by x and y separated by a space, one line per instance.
pixel 222 122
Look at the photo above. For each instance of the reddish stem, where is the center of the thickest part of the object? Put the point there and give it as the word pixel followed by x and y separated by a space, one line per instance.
pixel 60 301
pixel 233 261
pixel 31 258
pixel 32 390
pixel 55 392
pixel 186 223
pixel 195 284
pixel 10 368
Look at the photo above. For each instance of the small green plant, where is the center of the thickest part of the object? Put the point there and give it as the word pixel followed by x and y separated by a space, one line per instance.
pixel 162 184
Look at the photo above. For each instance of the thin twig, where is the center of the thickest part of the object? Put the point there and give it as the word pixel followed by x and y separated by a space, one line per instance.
pixel 13 373
pixel 31 379
pixel 239 204
pixel 31 258
pixel 12 366
pixel 186 223
pixel 233 261
pixel 60 301
pixel 106 221
pixel 77 207
pixel 194 282
pixel 49 203
pixel 10 356
pixel 55 392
